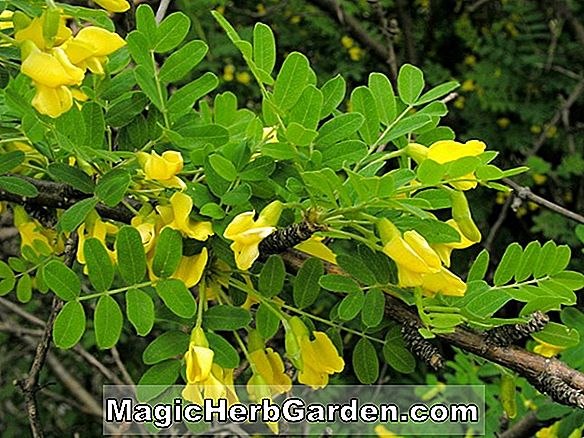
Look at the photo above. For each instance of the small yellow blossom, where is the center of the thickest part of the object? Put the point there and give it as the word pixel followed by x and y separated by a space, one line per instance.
pixel 320 359
pixel 228 72
pixel 316 248
pixel 243 77
pixel 501 197
pixel 468 85
pixel 198 358
pixel 535 129
pixel 446 151
pixel 295 19
pixel 551 131
pixel 539 179
pixel 34 32
pixel 347 42
pixel 568 197
pixel 503 122
pixel 163 168
pixel 355 53
pixel 444 250
pixel 261 9
pixel 113 5
pixel 270 366
pixel 177 216
pixel 247 233
pixel 470 60
pixel 547 350
pixel 31 235
pixel 382 432
pixel 459 102
pixel 532 206
pixel 6 20
pixel 95 227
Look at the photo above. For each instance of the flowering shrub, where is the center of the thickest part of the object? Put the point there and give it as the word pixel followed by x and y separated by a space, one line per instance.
pixel 218 229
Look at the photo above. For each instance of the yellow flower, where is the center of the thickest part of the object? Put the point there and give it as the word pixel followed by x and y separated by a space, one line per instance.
pixel 443 282
pixel 470 60
pixel 468 85
pixel 503 122
pixel 113 5
pixel 199 357
pixel 548 432
pixel 95 227
pixel 320 359
pixel 316 248
pixel 444 250
pixel 147 226
pixel 355 53
pixel 270 366
pixel 347 42
pixel 52 101
pixel 34 32
pixel 295 19
pixel 547 350
pixel 247 233
pixel 190 268
pixel 446 151
pixel 228 72
pixel 270 135
pixel 539 179
pixel 243 77
pixel 535 129
pixel 31 235
pixel 177 216
pixel 382 432
pixel 459 102
pixel 51 69
pixel 163 168
pixel 91 46
pixel 5 20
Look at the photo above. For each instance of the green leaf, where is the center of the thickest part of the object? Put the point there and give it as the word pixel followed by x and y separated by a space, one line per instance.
pixel 484 303
pixel 339 128
pixel 157 379
pixel 384 96
pixel 69 325
pixel 291 80
pixel 338 283
pixel 351 305
pixel 307 110
pixel 146 23
pixel 177 297
pixel 365 362
pixel 94 121
pixel 478 270
pixel 373 308
pixel 363 102
pixel 558 335
pixel 168 253
pixel 272 276
pixel 148 85
pixel 572 280
pixel 357 269
pixel 528 261
pixel 130 255
pixel 181 62
pixel 405 126
pixel 264 47
pixel 107 322
pixel 18 186
pixel 344 153
pixel 76 214
pixel 99 264
pixel 267 321
pixel 299 135
pixel 62 280
pixel 224 168
pixel 24 289
pixel 171 32
pixel 410 83
pixel 112 187
pixel 258 170
pixel 306 287
pixel 508 264
pixel 140 311
pixel 73 176
pixel 396 354
pixel 437 92
pixel 10 160
pixel 430 172
pixel 166 346
pixel 546 260
pixel 185 97
pixel 8 279
pixel 225 355
pixel 563 254
pixel 333 92
pixel 224 317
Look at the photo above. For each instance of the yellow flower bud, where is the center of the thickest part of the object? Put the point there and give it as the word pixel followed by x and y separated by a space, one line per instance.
pixel 417 151
pixel 461 214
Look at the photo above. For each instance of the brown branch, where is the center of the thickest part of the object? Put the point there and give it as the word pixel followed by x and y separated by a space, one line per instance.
pixel 525 193
pixel 30 386
pixel 488 243
pixel 529 365
pixel 527 426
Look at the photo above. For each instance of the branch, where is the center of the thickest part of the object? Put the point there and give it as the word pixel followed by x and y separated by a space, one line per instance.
pixel 529 365
pixel 525 193
pixel 162 8
pixel 30 385
pixel 527 426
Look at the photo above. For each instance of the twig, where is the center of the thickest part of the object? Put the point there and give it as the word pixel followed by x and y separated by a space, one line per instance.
pixel 385 30
pixel 30 385
pixel 20 312
pixel 563 10
pixel 526 194
pixel 488 242
pixel 127 378
pixel 162 8
pixel 527 426
pixel 406 25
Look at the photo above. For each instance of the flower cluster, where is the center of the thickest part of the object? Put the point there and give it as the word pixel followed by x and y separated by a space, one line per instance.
pixel 56 60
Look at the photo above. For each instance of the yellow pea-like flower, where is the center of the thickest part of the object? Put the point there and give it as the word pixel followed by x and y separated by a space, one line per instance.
pixel 91 46
pixel 270 366
pixel 199 357
pixel 95 227
pixel 34 32
pixel 444 250
pixel 113 5
pixel 52 101
pixel 190 268
pixel 546 349
pixel 247 233
pixel 163 168
pixel 446 151
pixel 316 248
pixel 320 359
pixel 177 216
pixel 51 69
